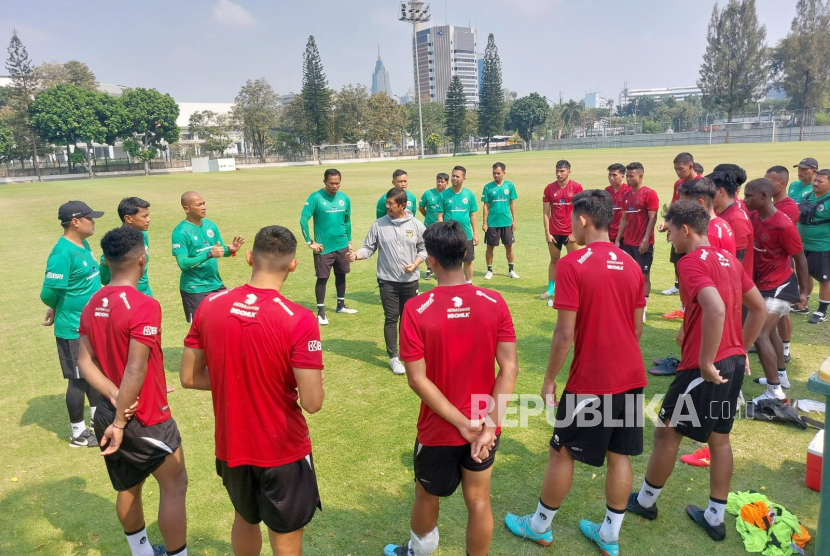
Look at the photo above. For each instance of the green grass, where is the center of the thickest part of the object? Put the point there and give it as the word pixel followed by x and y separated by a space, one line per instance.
pixel 62 502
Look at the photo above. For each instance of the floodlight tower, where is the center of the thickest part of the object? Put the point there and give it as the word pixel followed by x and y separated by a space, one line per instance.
pixel 415 13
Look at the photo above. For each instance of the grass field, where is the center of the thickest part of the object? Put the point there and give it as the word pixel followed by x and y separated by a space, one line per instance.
pixel 56 500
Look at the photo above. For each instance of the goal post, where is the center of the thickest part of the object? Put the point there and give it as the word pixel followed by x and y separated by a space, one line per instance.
pixel 754 131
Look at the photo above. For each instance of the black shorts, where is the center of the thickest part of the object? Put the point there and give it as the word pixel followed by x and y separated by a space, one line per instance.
pixel 142 451
pixel 788 291
pixel 493 235
pixel 614 424
pixel 560 240
pixel 68 357
pixel 191 301
pixel 470 255
pixel 696 408
pixel 675 257
pixel 643 260
pixel 818 265
pixel 438 468
pixel 336 259
pixel 284 497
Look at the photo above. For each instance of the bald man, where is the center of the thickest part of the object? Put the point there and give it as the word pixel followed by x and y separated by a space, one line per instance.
pixel 196 245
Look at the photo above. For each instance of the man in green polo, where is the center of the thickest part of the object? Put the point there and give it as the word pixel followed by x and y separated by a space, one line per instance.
pixel 197 244
pixel 814 228
pixel 807 169
pixel 460 205
pixel 431 204
pixel 72 277
pixel 499 221
pixel 399 179
pixel 134 213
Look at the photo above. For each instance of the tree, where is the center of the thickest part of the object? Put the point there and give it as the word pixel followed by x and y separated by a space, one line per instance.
pixel 491 96
pixel 472 121
pixel 5 95
pixel 351 107
pixel 6 142
pixel 73 72
pixel 433 117
pixel 256 112
pixel 433 141
pixel 66 114
pixel 571 114
pixel 800 60
pixel 214 129
pixel 526 114
pixel 151 121
pixel 385 119
pixel 316 95
pixel 455 113
pixel 80 75
pixel 736 63
pixel 24 87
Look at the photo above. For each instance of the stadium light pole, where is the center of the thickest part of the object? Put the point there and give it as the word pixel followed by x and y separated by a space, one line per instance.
pixel 415 13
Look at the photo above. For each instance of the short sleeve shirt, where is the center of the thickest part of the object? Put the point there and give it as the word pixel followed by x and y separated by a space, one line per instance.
pixel 144 281
pixel 72 272
pixel 561 205
pixel 797 190
pixel 498 197
pixel 459 206
pixel 744 235
pixel 776 240
pixel 190 241
pixel 721 235
pixel 330 214
pixel 816 236
pixel 617 200
pixel 411 203
pixel 637 205
pixel 433 203
pixel 789 208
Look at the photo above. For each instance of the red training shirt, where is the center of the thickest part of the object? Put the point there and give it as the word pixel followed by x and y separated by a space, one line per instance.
pixel 711 267
pixel 675 194
pixel 253 340
pixel 721 236
pixel 617 198
pixel 637 205
pixel 604 286
pixel 738 220
pixel 560 199
pixel 776 240
pixel 789 208
pixel 114 316
pixel 455 329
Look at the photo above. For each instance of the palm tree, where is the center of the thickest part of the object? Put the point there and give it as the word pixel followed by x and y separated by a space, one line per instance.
pixel 571 114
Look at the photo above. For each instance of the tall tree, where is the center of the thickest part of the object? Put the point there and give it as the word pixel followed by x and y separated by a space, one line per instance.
pixel 455 113
pixel 433 116
pixel 212 128
pixel 571 114
pixel 24 86
pixel 351 105
pixel 801 61
pixel 151 121
pixel 526 114
pixel 491 96
pixel 316 95
pixel 385 119
pixel 6 142
pixel 256 112
pixel 736 62
pixel 80 75
pixel 73 72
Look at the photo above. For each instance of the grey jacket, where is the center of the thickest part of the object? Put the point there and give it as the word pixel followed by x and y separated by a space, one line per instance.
pixel 399 241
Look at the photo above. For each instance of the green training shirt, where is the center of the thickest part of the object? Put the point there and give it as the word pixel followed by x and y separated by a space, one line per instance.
pixel 411 203
pixel 499 197
pixel 72 277
pixel 144 282
pixel 797 190
pixel 432 201
pixel 332 216
pixel 816 237
pixel 459 206
pixel 191 247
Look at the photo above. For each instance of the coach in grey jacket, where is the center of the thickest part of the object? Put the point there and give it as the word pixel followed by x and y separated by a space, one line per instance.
pixel 399 238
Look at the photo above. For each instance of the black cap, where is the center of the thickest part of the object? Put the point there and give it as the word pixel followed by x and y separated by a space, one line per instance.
pixel 77 209
pixel 807 163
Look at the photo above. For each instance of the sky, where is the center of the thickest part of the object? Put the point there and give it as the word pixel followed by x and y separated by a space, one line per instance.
pixel 205 50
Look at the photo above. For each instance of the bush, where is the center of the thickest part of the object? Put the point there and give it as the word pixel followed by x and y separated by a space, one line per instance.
pixel 822 118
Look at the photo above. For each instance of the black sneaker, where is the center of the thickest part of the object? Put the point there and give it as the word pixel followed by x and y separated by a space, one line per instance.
pixel 84 440
pixel 397 549
pixel 804 311
pixel 787 358
pixel 753 349
pixel 818 318
pixel 718 533
pixel 635 507
pixel 428 274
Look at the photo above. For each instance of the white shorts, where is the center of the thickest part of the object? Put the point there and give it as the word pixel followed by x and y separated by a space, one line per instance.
pixel 778 306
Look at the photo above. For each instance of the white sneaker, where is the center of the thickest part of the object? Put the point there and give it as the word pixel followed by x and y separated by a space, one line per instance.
pixel 741 400
pixel 784 380
pixel 397 366
pixel 512 274
pixel 767 396
pixel 644 315
pixel 322 320
pixel 671 291
pixel 550 302
pixel 346 310
pixel 488 275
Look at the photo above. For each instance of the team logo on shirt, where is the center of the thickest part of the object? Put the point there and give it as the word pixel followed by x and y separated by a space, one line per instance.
pixel 507 191
pixel 54 276
pixel 410 234
pixel 315 345
pixel 614 263
pixel 457 302
pixel 465 201
pixel 209 233
pixel 821 208
pixel 176 245
pixel 105 302
pixel 426 304
pixel 584 257
pixel 250 299
pixel 723 260
pixel 341 203
pixel 457 311
pixel 85 264
pixel 151 330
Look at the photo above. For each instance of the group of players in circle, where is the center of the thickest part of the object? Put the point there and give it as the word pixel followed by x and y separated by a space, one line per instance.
pixel 261 354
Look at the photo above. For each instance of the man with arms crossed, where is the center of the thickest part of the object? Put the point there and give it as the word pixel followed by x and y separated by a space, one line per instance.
pixel 713 286
pixel 262 352
pixel 431 204
pixel 460 205
pixel 776 241
pixel 636 235
pixel 197 244
pixel 599 301
pixel 121 357
pixel 71 277
pixel 556 218
pixel 617 188
pixel 331 210
pixel 454 444
pixel 499 221
pixel 814 227
pixel 399 179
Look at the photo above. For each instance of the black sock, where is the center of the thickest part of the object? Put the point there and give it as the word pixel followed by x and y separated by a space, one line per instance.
pixel 340 286
pixel 677 285
pixel 75 392
pixel 489 268
pixel 822 306
pixel 320 293
pixel 510 267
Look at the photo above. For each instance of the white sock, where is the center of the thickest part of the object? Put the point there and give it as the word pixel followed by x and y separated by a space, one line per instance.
pixel 77 428
pixel 91 414
pixel 470 282
pixel 776 391
pixel 610 529
pixel 540 522
pixel 714 513
pixel 783 375
pixel 786 348
pixel 646 300
pixel 140 544
pixel 648 495
pixel 423 546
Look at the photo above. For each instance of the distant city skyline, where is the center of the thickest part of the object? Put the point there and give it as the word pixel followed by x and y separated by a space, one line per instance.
pixel 380 79
pixel 204 51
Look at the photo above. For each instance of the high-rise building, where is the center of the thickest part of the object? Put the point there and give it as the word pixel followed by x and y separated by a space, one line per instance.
pixel 380 79
pixel 442 52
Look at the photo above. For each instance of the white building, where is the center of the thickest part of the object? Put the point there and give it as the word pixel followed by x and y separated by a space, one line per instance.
pixel 594 100
pixel 443 52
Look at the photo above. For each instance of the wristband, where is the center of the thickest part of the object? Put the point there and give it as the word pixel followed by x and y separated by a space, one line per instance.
pixel 117 427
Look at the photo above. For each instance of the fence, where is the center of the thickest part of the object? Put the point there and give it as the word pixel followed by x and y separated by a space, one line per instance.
pixel 101 166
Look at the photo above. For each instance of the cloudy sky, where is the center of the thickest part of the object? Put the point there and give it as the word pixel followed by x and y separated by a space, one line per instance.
pixel 204 50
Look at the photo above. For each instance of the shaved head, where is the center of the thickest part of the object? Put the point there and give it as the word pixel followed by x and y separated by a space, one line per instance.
pixel 188 197
pixel 761 185
pixel 193 205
